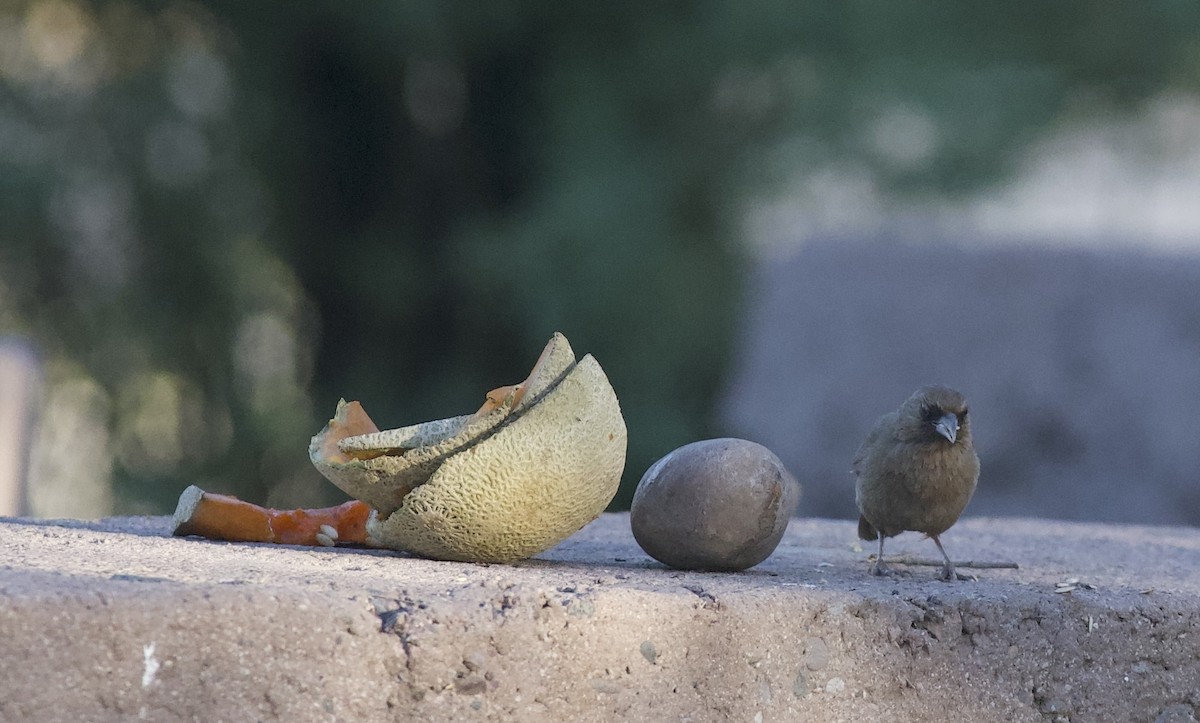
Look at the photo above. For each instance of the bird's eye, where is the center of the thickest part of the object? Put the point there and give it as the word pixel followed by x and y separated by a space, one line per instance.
pixel 964 412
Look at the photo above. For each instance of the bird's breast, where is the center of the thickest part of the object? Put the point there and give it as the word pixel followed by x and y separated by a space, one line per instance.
pixel 944 477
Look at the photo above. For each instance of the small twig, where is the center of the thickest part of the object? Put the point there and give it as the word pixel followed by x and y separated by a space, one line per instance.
pixel 930 562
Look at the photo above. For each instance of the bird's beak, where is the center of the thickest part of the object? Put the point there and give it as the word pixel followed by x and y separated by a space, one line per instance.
pixel 947 426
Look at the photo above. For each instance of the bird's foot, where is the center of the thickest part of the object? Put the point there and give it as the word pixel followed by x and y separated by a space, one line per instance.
pixel 879 569
pixel 949 574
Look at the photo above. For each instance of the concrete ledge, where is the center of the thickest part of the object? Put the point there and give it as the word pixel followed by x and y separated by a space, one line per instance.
pixel 116 620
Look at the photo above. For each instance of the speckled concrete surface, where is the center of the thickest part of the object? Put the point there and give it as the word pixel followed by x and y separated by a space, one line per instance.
pixel 114 620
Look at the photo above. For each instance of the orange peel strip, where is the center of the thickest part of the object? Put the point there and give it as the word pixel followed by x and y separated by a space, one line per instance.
pixel 495 398
pixel 224 517
pixel 351 421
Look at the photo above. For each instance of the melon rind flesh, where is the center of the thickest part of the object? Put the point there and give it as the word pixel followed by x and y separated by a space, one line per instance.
pixel 534 482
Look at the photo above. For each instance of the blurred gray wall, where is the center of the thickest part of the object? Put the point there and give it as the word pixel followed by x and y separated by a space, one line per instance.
pixel 1082 369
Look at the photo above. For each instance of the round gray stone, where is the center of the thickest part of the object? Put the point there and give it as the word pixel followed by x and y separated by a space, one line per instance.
pixel 718 504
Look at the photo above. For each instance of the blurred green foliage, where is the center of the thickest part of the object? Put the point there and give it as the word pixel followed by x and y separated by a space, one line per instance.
pixel 230 214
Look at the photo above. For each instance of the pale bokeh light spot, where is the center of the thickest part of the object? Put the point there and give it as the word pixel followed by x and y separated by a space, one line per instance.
pixel 177 154
pixel 264 356
pixel 435 96
pixel 742 91
pixel 800 77
pixel 160 423
pixel 1094 183
pixel 1107 182
pixel 199 83
pixel 59 49
pixel 70 462
pixel 57 32
pixel 94 213
pixel 904 137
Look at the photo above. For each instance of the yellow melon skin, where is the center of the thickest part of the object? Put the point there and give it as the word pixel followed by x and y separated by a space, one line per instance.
pixel 535 481
pixel 410 455
pixel 382 482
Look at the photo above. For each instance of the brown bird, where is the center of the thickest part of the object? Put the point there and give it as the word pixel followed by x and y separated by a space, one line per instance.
pixel 916 471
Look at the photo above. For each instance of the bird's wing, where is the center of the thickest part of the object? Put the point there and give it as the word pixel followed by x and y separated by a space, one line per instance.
pixel 882 427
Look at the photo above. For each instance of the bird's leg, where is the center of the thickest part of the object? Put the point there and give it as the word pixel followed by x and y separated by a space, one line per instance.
pixel 879 568
pixel 948 572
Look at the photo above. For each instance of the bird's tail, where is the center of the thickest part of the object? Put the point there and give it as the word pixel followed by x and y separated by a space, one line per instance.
pixel 865 530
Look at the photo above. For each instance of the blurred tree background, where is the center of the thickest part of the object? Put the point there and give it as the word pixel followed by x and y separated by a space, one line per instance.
pixel 217 218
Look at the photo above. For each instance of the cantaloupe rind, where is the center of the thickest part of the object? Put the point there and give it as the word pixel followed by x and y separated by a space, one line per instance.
pixel 384 479
pixel 534 482
pixel 380 468
pixel 537 462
